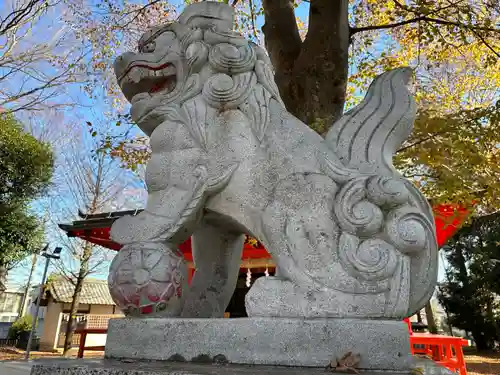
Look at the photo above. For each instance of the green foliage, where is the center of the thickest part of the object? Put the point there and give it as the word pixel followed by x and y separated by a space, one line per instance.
pixel 470 293
pixel 21 234
pixel 22 324
pixel 26 165
pixel 53 276
pixel 25 171
pixel 455 156
pixel 453 153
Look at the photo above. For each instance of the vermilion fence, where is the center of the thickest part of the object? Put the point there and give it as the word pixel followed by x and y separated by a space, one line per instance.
pixel 444 350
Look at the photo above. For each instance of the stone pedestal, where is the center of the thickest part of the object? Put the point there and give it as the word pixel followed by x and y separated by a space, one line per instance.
pixel 113 367
pixel 382 344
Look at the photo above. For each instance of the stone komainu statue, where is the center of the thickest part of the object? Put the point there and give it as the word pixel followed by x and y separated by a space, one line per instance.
pixel 350 237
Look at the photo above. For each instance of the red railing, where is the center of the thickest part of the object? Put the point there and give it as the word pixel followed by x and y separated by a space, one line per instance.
pixel 444 350
pixel 83 337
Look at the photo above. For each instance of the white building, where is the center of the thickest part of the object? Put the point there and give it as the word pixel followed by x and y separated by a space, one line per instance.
pixel 10 304
pixel 31 307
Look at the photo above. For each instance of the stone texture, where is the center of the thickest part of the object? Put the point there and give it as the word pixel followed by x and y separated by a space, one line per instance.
pixel 111 367
pixel 349 235
pixel 158 272
pixel 267 341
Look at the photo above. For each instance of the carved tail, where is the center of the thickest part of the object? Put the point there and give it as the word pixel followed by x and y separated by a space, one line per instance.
pixel 365 139
pixel 367 136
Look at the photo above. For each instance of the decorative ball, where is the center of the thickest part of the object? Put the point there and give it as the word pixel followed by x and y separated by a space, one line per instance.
pixel 148 279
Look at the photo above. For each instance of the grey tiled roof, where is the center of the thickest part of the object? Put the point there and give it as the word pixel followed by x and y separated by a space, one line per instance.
pixel 94 292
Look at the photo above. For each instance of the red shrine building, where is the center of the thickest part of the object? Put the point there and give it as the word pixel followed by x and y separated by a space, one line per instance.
pixel 255 260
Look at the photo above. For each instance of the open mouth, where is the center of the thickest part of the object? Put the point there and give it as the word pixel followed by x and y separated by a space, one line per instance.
pixel 141 81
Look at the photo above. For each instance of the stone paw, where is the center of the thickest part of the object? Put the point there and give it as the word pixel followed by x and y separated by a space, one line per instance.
pixel 140 228
pixel 202 305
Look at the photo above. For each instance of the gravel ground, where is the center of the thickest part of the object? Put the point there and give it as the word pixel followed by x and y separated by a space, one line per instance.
pixel 483 364
pixel 12 354
pixel 476 364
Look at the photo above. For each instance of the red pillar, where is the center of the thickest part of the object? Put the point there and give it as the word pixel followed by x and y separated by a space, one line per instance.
pixel 190 275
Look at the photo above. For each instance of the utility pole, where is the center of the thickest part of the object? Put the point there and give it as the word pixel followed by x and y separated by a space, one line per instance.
pixel 28 284
pixel 56 254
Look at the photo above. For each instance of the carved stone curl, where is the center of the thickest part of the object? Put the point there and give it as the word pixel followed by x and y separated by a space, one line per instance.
pixel 226 58
pixel 223 91
pixel 408 230
pixel 387 191
pixel 356 214
pixel 372 260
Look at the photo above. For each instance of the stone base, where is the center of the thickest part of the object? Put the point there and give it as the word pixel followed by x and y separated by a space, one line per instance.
pixel 382 344
pixel 113 367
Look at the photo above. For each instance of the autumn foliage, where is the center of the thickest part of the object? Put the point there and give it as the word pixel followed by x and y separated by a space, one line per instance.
pixel 327 52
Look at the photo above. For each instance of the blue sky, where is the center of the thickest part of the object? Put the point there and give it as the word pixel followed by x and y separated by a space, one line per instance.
pixel 90 110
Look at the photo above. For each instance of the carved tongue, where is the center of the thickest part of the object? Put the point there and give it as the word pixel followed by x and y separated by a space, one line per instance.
pixel 157 87
pixel 161 84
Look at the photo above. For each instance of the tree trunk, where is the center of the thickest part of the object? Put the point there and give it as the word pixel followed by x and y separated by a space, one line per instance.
pixel 450 327
pixel 419 317
pixel 75 303
pixel 482 344
pixel 96 192
pixel 311 75
pixel 3 278
pixel 490 313
pixel 429 314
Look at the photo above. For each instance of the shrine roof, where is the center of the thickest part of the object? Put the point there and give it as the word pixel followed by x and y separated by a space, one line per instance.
pixel 100 220
pixel 95 228
pixel 94 292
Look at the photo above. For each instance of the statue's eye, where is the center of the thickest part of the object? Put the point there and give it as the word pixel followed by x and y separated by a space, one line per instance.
pixel 149 47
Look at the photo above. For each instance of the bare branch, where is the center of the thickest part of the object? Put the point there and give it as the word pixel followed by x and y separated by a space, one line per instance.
pixel 252 19
pixel 22 14
pixel 36 87
pixel 355 30
pixel 137 13
pixel 420 141
pixel 485 42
